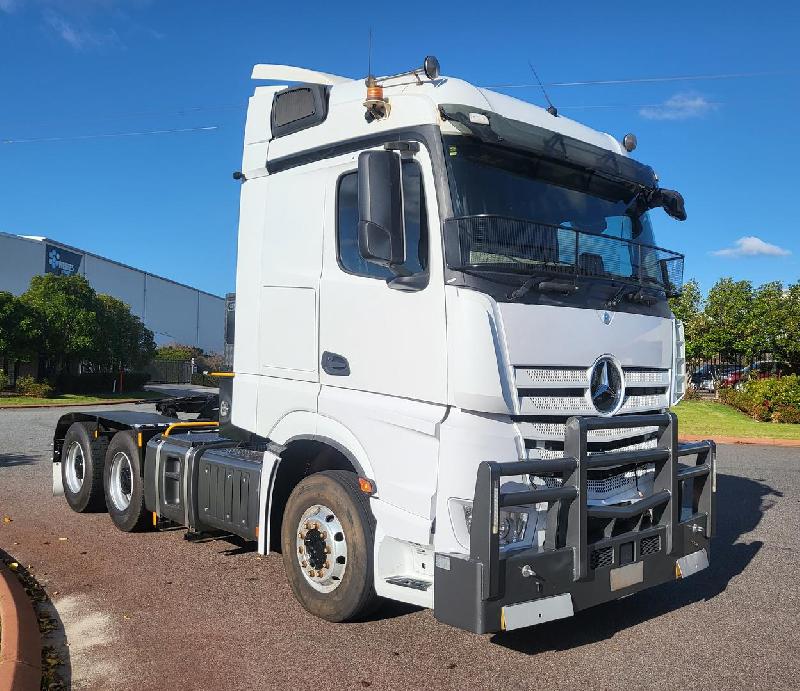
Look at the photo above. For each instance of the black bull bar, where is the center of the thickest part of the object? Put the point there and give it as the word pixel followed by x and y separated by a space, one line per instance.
pixel 591 554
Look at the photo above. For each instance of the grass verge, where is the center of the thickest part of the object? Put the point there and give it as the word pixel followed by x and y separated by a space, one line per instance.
pixel 708 418
pixel 73 399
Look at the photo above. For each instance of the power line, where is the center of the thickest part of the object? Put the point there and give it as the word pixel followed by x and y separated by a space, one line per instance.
pixel 121 115
pixel 143 133
pixel 646 80
pixel 630 105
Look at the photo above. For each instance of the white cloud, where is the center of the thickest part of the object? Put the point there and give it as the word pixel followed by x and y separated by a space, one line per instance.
pixel 681 106
pixel 84 24
pixel 751 246
pixel 79 37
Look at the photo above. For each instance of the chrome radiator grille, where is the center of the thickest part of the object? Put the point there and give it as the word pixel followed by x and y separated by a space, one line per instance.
pixel 564 390
pixel 548 396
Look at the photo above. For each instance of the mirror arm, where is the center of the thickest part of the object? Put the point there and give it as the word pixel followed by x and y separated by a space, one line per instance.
pixel 409 283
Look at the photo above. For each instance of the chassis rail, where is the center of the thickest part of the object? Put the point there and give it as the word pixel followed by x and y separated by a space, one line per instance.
pixel 680 520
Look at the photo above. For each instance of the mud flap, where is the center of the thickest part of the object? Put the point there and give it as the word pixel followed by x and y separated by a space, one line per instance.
pixel 269 467
pixel 58 485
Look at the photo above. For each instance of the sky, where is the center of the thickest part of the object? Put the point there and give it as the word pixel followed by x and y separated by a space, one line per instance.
pixel 173 77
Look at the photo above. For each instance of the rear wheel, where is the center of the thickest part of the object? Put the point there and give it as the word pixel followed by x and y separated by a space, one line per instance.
pixel 124 488
pixel 327 540
pixel 82 462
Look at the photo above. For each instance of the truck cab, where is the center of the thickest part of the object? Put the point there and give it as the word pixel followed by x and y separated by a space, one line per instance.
pixel 453 360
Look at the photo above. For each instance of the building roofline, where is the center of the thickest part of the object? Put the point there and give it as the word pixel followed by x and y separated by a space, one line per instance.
pixel 40 239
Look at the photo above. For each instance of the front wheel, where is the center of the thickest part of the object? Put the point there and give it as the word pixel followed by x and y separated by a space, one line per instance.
pixel 327 540
pixel 124 488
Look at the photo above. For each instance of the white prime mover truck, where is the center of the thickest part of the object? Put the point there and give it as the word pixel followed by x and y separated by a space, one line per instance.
pixel 452 370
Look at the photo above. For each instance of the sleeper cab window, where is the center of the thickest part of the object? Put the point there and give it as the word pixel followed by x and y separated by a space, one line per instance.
pixel 415 217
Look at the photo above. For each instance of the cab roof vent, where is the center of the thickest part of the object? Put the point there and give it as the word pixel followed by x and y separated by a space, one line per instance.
pixel 298 108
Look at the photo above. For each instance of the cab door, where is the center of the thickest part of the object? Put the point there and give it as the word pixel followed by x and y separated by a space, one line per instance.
pixel 375 338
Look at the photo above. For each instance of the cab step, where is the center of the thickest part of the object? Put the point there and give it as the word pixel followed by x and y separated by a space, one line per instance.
pixel 408 582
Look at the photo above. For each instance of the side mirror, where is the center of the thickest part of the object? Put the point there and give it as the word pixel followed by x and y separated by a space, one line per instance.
pixel 671 201
pixel 381 239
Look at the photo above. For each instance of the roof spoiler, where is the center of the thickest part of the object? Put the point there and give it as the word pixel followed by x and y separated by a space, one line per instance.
pixel 288 73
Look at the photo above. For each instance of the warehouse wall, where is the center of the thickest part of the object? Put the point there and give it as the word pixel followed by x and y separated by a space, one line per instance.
pixel 173 312
pixel 20 261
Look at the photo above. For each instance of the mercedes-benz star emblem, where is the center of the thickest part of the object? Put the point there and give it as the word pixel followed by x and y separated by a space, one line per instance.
pixel 606 386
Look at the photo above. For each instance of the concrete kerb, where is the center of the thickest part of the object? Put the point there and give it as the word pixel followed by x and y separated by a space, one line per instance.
pixel 21 642
pixel 759 441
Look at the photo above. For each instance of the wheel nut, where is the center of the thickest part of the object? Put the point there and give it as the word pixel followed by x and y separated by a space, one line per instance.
pixel 327 549
pixel 327 565
pixel 300 549
pixel 309 525
pixel 323 534
pixel 311 573
pixel 304 563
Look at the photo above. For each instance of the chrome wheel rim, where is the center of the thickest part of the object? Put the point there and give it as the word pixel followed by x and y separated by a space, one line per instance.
pixel 321 548
pixel 121 482
pixel 75 467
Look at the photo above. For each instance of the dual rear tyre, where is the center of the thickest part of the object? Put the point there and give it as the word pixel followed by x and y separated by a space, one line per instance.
pixel 97 474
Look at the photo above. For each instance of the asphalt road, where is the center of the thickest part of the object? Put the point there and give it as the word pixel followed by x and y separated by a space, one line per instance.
pixel 153 611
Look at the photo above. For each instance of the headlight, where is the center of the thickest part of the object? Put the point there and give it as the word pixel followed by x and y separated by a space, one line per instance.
pixel 511 524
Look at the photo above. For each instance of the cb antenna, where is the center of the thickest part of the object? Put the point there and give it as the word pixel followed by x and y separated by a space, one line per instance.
pixel 550 107
pixel 369 54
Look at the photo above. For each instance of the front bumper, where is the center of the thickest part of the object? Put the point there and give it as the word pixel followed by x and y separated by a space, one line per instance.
pixel 591 554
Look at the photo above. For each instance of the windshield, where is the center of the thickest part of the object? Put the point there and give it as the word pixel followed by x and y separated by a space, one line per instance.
pixel 519 212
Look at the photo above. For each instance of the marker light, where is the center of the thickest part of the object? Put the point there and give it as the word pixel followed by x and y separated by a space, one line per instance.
pixel 629 141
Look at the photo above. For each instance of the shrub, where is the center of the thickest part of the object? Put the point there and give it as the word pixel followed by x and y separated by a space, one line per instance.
pixel 200 379
pixel 3 380
pixel 776 400
pixel 28 386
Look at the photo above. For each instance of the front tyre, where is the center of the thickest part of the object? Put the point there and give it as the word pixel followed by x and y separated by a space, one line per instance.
pixel 82 461
pixel 124 488
pixel 327 540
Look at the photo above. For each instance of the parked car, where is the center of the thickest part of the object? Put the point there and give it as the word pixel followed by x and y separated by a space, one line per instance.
pixel 707 376
pixel 758 370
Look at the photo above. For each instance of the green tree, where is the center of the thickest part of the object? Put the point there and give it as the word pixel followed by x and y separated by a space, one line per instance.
pixel 688 307
pixel 767 321
pixel 728 314
pixel 176 351
pixel 126 342
pixel 67 327
pixel 17 326
pixel 790 338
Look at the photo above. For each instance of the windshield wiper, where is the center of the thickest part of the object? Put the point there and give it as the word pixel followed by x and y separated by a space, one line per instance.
pixel 543 286
pixel 631 294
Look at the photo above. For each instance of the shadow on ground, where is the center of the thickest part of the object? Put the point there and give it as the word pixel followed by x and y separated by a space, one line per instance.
pixel 9 460
pixel 741 503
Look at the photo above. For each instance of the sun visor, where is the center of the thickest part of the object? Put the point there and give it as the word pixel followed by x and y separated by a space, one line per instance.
pixel 492 128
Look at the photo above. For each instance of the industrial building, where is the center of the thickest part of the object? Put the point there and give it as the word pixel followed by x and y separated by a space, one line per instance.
pixel 174 312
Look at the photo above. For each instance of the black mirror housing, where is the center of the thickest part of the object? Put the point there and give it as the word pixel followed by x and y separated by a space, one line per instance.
pixel 381 239
pixel 671 201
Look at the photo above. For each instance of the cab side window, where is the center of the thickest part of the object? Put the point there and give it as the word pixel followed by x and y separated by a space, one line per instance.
pixel 415 218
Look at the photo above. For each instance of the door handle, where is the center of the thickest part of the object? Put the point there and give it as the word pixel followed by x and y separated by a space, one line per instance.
pixel 334 364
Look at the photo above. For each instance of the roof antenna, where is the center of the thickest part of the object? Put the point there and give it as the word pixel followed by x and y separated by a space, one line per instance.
pixel 550 107
pixel 369 54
